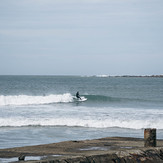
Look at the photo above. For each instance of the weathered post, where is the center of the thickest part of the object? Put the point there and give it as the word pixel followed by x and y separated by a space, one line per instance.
pixel 150 137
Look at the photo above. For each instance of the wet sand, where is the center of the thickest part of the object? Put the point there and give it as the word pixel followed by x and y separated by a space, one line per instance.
pixel 88 150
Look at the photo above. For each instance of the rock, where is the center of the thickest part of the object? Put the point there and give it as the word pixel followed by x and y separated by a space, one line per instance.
pixel 21 158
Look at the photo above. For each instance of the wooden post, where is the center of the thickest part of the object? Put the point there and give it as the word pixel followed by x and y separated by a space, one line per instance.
pixel 150 137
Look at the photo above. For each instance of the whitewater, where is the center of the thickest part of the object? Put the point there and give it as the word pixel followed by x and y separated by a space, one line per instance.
pixel 31 100
pixel 45 108
pixel 81 116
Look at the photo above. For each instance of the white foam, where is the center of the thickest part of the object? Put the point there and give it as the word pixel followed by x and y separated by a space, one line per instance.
pixel 77 122
pixel 30 100
pixel 102 76
pixel 82 116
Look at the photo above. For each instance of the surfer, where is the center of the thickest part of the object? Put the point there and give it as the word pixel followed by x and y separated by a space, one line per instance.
pixel 77 95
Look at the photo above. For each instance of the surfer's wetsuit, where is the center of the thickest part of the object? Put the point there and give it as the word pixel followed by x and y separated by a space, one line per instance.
pixel 77 95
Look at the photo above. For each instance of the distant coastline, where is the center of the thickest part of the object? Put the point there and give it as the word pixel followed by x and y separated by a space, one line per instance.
pixel 140 76
pixel 154 76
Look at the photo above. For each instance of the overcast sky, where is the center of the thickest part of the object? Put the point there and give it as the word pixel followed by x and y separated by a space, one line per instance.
pixel 81 37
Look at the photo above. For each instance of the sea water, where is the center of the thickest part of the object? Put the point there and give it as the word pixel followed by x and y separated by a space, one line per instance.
pixel 42 109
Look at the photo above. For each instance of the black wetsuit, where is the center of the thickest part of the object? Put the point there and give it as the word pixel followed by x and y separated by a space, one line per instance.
pixel 77 95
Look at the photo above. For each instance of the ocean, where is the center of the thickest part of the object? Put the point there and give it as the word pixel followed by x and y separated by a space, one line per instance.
pixel 42 109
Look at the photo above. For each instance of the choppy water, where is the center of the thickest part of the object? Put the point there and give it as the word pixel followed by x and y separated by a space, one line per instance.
pixel 42 109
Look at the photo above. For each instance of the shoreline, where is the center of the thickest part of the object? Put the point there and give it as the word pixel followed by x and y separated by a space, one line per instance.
pixel 104 149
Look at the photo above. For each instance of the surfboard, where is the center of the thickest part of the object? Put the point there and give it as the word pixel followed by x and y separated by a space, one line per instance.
pixel 81 99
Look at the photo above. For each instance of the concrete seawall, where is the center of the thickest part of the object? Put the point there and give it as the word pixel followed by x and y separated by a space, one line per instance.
pixel 105 150
pixel 129 156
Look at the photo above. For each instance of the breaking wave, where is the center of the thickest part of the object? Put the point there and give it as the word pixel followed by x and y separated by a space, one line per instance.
pixel 78 122
pixel 35 100
pixel 102 76
pixel 62 98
